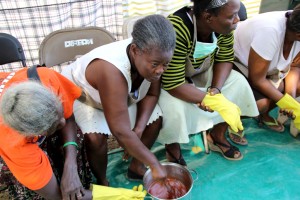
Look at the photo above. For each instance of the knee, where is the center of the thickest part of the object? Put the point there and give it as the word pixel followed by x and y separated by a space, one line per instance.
pixel 157 123
pixel 263 105
pixel 95 141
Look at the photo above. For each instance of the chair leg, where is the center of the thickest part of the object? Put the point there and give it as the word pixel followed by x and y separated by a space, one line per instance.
pixel 205 142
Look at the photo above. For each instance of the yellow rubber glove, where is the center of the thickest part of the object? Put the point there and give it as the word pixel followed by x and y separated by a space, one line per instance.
pixel 230 112
pixel 289 103
pixel 109 193
pixel 139 188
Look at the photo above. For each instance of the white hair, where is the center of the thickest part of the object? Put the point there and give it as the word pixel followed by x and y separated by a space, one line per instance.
pixel 30 108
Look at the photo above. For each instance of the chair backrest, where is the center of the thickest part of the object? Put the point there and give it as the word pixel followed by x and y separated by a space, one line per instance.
pixel 128 26
pixel 242 12
pixel 11 50
pixel 67 44
pixel 273 5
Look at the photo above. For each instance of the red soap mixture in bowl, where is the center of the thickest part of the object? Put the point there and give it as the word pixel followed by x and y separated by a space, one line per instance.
pixel 177 185
pixel 170 188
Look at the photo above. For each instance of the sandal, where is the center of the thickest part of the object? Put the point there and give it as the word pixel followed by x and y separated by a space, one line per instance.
pixel 229 154
pixel 237 138
pixel 179 160
pixel 275 125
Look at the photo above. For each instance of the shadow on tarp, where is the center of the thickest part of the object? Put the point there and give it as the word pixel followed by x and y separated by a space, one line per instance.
pixel 270 168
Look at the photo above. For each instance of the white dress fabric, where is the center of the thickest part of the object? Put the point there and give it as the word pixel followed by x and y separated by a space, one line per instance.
pixel 180 118
pixel 265 34
pixel 92 120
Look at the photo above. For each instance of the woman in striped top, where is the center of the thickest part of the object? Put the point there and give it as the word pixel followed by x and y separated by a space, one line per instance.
pixel 201 68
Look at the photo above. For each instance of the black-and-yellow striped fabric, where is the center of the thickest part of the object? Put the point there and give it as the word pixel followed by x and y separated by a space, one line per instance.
pixel 174 76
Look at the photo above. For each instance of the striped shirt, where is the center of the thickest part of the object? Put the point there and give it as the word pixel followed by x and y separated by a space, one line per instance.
pixel 174 76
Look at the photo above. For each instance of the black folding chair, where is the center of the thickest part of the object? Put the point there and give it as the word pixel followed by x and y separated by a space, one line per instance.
pixel 11 50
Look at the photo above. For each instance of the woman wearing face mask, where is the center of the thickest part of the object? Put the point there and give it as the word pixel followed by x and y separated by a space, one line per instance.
pixel 200 78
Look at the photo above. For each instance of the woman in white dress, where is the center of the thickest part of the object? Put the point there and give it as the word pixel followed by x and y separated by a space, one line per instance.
pixel 201 72
pixel 121 81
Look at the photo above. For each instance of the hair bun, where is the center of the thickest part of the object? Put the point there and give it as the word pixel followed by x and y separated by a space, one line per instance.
pixel 288 14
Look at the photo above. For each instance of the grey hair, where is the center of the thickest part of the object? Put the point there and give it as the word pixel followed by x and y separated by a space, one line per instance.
pixel 30 108
pixel 154 31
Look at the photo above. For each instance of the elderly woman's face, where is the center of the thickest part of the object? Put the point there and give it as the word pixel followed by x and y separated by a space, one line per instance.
pixel 60 124
pixel 227 19
pixel 152 64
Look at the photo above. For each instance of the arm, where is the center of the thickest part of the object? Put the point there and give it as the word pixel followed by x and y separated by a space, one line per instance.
pixel 223 60
pixel 221 72
pixel 113 90
pixel 145 108
pixel 173 79
pixel 70 185
pixel 293 77
pixel 258 68
pixel 51 190
pixel 30 165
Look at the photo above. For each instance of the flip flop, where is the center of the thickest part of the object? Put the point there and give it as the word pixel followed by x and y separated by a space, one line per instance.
pixel 237 138
pixel 273 125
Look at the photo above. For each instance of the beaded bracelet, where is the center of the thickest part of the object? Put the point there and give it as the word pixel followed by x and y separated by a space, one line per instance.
pixel 212 87
pixel 70 143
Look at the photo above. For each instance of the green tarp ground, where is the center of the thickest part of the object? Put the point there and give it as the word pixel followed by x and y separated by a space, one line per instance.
pixel 269 170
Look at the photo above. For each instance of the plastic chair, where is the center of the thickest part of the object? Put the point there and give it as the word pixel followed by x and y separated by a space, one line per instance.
pixel 128 26
pixel 242 12
pixel 11 50
pixel 66 45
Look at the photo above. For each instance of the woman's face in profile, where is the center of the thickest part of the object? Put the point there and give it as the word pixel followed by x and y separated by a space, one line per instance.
pixel 227 19
pixel 152 64
pixel 57 126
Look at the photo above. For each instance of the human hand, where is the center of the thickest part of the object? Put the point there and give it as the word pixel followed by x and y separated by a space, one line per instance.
pixel 292 107
pixel 202 106
pixel 158 171
pixel 87 195
pixel 288 113
pixel 71 186
pixel 230 112
pixel 213 90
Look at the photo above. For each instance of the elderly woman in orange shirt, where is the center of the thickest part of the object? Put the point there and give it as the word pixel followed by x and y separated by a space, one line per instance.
pixel 30 112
